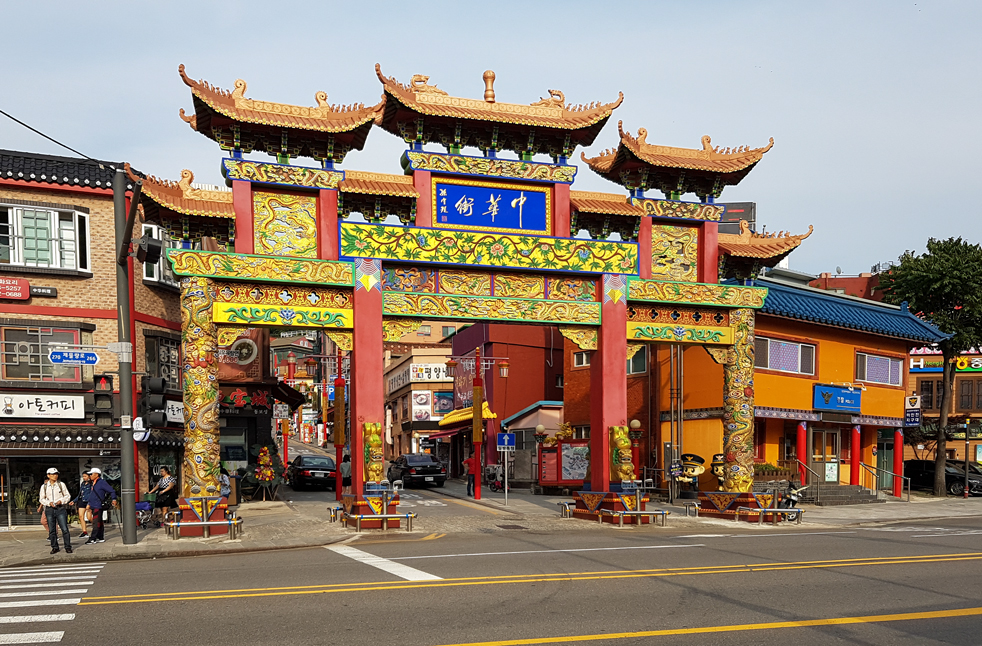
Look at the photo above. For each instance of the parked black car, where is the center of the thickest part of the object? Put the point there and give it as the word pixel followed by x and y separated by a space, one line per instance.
pixel 921 474
pixel 312 470
pixel 417 469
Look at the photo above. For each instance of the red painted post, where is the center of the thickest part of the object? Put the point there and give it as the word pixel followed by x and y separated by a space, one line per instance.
pixel 644 248
pixel 608 378
pixel 477 421
pixel 855 454
pixel 367 362
pixel 801 450
pixel 327 224
pixel 242 203
pixel 560 210
pixel 709 253
pixel 339 429
pixel 898 462
pixel 422 180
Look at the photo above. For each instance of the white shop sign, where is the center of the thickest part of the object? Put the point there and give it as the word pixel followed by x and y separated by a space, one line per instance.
pixel 418 372
pixel 175 411
pixel 46 405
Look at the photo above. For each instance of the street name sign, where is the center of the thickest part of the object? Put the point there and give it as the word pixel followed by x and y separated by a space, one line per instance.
pixel 73 357
pixel 506 441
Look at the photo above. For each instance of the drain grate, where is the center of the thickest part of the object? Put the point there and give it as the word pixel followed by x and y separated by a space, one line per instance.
pixel 512 527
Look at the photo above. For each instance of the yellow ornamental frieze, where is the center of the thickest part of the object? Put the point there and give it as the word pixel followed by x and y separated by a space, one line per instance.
pixel 490 167
pixel 285 225
pixel 519 286
pixel 684 210
pixel 281 174
pixel 291 316
pixel 657 291
pixel 235 266
pixel 491 309
pixel 282 295
pixel 679 333
pixel 468 283
pixel 674 253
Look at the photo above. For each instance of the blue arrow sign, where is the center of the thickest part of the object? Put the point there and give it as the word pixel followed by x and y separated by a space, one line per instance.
pixel 506 441
pixel 73 356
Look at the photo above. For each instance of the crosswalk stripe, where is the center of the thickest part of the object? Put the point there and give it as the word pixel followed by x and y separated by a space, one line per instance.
pixel 74 601
pixel 398 569
pixel 52 568
pixel 37 574
pixel 32 638
pixel 41 593
pixel 29 619
pixel 71 580
pixel 44 585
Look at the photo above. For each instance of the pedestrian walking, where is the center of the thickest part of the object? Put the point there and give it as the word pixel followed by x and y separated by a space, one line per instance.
pixel 98 499
pixel 345 470
pixel 225 482
pixel 166 490
pixel 54 498
pixel 472 464
pixel 79 503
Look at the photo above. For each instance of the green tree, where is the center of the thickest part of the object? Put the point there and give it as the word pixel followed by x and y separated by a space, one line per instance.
pixel 943 286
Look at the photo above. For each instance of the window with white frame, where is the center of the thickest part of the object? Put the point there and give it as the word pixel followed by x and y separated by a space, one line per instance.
pixel 784 356
pixel 581 359
pixel 39 237
pixel 638 364
pixel 160 271
pixel 878 370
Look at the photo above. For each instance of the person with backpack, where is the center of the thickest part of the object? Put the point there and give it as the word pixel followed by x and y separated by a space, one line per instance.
pixel 101 494
pixel 54 498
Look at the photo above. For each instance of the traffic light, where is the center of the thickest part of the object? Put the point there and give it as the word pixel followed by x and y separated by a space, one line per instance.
pixel 105 406
pixel 153 404
pixel 148 250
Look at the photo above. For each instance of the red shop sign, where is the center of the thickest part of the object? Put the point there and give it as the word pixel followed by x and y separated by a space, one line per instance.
pixel 18 289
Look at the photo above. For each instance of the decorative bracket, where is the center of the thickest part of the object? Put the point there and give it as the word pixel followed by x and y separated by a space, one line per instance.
pixel 584 337
pixel 344 340
pixel 394 329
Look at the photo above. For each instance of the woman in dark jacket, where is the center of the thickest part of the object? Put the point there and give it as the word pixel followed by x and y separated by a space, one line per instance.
pixel 81 500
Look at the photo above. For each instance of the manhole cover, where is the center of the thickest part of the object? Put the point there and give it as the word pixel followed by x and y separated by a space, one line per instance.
pixel 512 527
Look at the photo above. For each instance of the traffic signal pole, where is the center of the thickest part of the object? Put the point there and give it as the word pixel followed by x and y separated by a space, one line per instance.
pixel 125 358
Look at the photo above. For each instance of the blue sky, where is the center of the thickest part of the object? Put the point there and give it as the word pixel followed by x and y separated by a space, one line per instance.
pixel 873 105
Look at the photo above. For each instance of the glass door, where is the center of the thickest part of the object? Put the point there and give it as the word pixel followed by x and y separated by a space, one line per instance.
pixel 825 455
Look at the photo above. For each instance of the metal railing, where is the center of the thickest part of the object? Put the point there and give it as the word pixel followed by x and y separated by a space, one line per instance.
pixel 875 472
pixel 798 465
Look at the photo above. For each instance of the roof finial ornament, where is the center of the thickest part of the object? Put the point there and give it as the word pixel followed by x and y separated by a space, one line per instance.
pixel 321 99
pixel 489 86
pixel 420 83
pixel 240 88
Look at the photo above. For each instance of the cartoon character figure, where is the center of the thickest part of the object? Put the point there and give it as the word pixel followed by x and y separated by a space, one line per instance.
pixel 718 466
pixel 692 468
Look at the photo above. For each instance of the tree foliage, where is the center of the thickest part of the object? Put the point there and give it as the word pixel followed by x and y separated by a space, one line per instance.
pixel 943 286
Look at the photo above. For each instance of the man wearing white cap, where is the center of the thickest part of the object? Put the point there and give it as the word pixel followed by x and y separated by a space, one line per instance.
pixel 101 493
pixel 54 498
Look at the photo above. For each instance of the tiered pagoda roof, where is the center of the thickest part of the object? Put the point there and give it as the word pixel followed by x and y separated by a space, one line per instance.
pixel 746 253
pixel 325 132
pixel 422 113
pixel 185 211
pixel 638 165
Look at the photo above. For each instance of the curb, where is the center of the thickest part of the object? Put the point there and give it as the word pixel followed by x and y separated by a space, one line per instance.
pixel 145 556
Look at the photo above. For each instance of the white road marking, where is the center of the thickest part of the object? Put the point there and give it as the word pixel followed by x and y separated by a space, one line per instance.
pixel 51 568
pixel 759 535
pixel 41 593
pixel 952 532
pixel 32 638
pixel 41 602
pixel 69 580
pixel 582 549
pixel 398 569
pixel 88 571
pixel 45 585
pixel 28 619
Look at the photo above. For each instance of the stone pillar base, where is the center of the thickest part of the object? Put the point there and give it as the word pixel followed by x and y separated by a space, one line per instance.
pixel 211 508
pixel 370 504
pixel 591 505
pixel 724 504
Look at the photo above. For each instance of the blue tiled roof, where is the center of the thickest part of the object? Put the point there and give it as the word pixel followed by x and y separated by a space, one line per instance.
pixel 810 304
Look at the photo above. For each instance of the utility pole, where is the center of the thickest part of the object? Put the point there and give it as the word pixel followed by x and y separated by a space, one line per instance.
pixel 125 357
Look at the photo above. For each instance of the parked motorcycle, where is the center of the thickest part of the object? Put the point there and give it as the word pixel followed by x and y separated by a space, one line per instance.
pixel 496 482
pixel 790 500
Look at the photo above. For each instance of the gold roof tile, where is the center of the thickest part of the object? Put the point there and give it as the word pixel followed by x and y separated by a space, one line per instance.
pixel 378 184
pixel 748 244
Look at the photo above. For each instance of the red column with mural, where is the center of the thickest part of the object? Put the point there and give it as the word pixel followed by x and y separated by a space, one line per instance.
pixel 644 247
pixel 709 253
pixel 242 203
pixel 608 378
pixel 561 218
pixel 366 395
pixel 855 454
pixel 801 450
pixel 424 208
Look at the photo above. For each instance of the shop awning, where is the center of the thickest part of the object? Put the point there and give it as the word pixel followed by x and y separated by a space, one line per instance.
pixel 289 396
pixel 438 434
pixel 461 415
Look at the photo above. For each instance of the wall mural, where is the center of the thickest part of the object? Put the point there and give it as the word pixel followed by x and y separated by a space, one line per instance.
pixel 238 266
pixel 675 253
pixel 657 291
pixel 491 309
pixel 487 249
pixel 285 225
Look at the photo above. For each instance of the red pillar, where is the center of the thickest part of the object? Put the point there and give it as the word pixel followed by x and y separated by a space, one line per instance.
pixel 242 203
pixel 608 378
pixel 327 224
pixel 560 211
pixel 367 397
pixel 898 462
pixel 644 248
pixel 855 454
pixel 709 253
pixel 801 450
pixel 422 180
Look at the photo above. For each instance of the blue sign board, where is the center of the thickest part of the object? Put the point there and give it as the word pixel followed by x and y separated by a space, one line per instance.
pixel 482 206
pixel 835 398
pixel 912 417
pixel 506 441
pixel 73 357
pixel 330 389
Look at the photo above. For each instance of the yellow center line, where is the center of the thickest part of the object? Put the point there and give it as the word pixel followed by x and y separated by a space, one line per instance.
pixel 522 578
pixel 805 623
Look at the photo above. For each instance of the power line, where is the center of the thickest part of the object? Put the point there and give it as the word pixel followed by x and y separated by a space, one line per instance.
pixel 52 139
